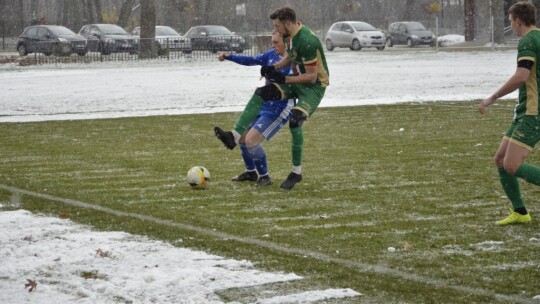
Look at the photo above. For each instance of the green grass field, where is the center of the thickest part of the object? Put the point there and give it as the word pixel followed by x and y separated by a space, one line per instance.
pixel 418 177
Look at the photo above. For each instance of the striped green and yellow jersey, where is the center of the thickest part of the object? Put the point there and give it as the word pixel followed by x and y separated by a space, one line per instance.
pixel 304 48
pixel 529 49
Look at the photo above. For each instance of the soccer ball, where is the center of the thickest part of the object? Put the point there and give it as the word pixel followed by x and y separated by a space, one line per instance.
pixel 198 177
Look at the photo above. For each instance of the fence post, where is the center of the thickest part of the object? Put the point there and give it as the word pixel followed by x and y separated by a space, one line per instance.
pixel 3 35
pixel 436 34
pixel 492 34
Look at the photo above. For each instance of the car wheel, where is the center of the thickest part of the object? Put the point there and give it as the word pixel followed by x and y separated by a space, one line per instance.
pixel 47 53
pixel 329 45
pixel 82 53
pixel 240 51
pixel 389 42
pixel 22 50
pixel 410 43
pixel 380 48
pixel 355 46
pixel 186 52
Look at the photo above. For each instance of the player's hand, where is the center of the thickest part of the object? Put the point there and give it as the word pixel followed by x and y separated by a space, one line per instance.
pixel 484 104
pixel 275 77
pixel 265 70
pixel 222 56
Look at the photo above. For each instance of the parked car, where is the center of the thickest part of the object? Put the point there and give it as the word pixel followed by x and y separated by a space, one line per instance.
pixel 108 38
pixel 354 35
pixel 50 39
pixel 168 38
pixel 215 38
pixel 409 33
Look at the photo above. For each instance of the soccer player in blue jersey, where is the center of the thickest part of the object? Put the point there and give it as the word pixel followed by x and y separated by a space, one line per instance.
pixel 524 131
pixel 272 116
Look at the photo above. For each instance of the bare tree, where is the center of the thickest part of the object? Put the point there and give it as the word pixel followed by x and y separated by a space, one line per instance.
pixel 148 30
pixel 125 13
pixel 65 11
pixel 497 9
pixel 409 8
pixel 469 20
pixel 97 5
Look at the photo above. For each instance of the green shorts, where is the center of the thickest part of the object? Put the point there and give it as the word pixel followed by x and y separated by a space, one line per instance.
pixel 524 132
pixel 309 95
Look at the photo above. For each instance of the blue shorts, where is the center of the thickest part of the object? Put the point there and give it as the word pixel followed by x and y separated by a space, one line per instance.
pixel 273 115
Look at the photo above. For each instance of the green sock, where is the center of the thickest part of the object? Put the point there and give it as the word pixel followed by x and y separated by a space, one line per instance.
pixel 297 143
pixel 510 185
pixel 529 173
pixel 248 115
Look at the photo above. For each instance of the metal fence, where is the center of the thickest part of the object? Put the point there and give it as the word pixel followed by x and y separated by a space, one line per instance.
pixel 47 52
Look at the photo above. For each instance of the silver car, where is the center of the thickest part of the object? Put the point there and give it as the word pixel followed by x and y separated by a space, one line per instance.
pixel 168 38
pixel 354 35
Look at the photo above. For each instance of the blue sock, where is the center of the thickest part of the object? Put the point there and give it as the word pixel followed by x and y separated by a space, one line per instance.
pixel 259 158
pixel 246 156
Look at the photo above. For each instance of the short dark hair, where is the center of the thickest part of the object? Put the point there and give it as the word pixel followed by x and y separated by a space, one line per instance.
pixel 524 11
pixel 284 14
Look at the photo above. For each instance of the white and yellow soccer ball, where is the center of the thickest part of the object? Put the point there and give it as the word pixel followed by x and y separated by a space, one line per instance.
pixel 198 177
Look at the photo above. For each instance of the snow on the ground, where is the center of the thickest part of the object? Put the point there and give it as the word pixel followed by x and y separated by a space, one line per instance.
pixel 448 40
pixel 122 89
pixel 56 252
pixel 72 263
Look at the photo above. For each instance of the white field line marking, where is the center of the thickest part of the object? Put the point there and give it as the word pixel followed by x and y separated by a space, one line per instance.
pixel 358 266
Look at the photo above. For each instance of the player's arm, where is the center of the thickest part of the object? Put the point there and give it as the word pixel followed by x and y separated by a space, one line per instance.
pixel 310 76
pixel 285 61
pixel 245 60
pixel 518 79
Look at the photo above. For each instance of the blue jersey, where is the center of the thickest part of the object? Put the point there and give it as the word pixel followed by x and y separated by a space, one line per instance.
pixel 267 58
pixel 273 114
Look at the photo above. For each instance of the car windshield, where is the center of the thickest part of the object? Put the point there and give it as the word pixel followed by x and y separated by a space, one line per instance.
pixel 218 31
pixel 415 26
pixel 361 26
pixel 166 31
pixel 111 29
pixel 61 31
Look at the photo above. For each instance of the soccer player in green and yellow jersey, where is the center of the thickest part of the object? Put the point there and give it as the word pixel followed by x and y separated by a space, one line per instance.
pixel 524 131
pixel 305 54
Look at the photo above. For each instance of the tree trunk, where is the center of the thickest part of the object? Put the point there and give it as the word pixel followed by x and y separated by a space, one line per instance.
pixel 125 13
pixel 409 7
pixel 77 15
pixel 88 12
pixel 97 5
pixel 65 12
pixel 147 47
pixel 498 20
pixel 20 10
pixel 469 20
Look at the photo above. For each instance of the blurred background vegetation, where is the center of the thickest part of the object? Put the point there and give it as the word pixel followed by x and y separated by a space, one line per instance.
pixel 251 17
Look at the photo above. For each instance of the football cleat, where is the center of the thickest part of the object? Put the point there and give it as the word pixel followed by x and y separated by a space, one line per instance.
pixel 250 176
pixel 263 181
pixel 227 138
pixel 515 218
pixel 291 180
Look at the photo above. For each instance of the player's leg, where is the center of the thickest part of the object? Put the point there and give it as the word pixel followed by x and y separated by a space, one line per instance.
pixel 309 97
pixel 274 115
pixel 521 147
pixel 251 173
pixel 508 159
pixel 231 138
